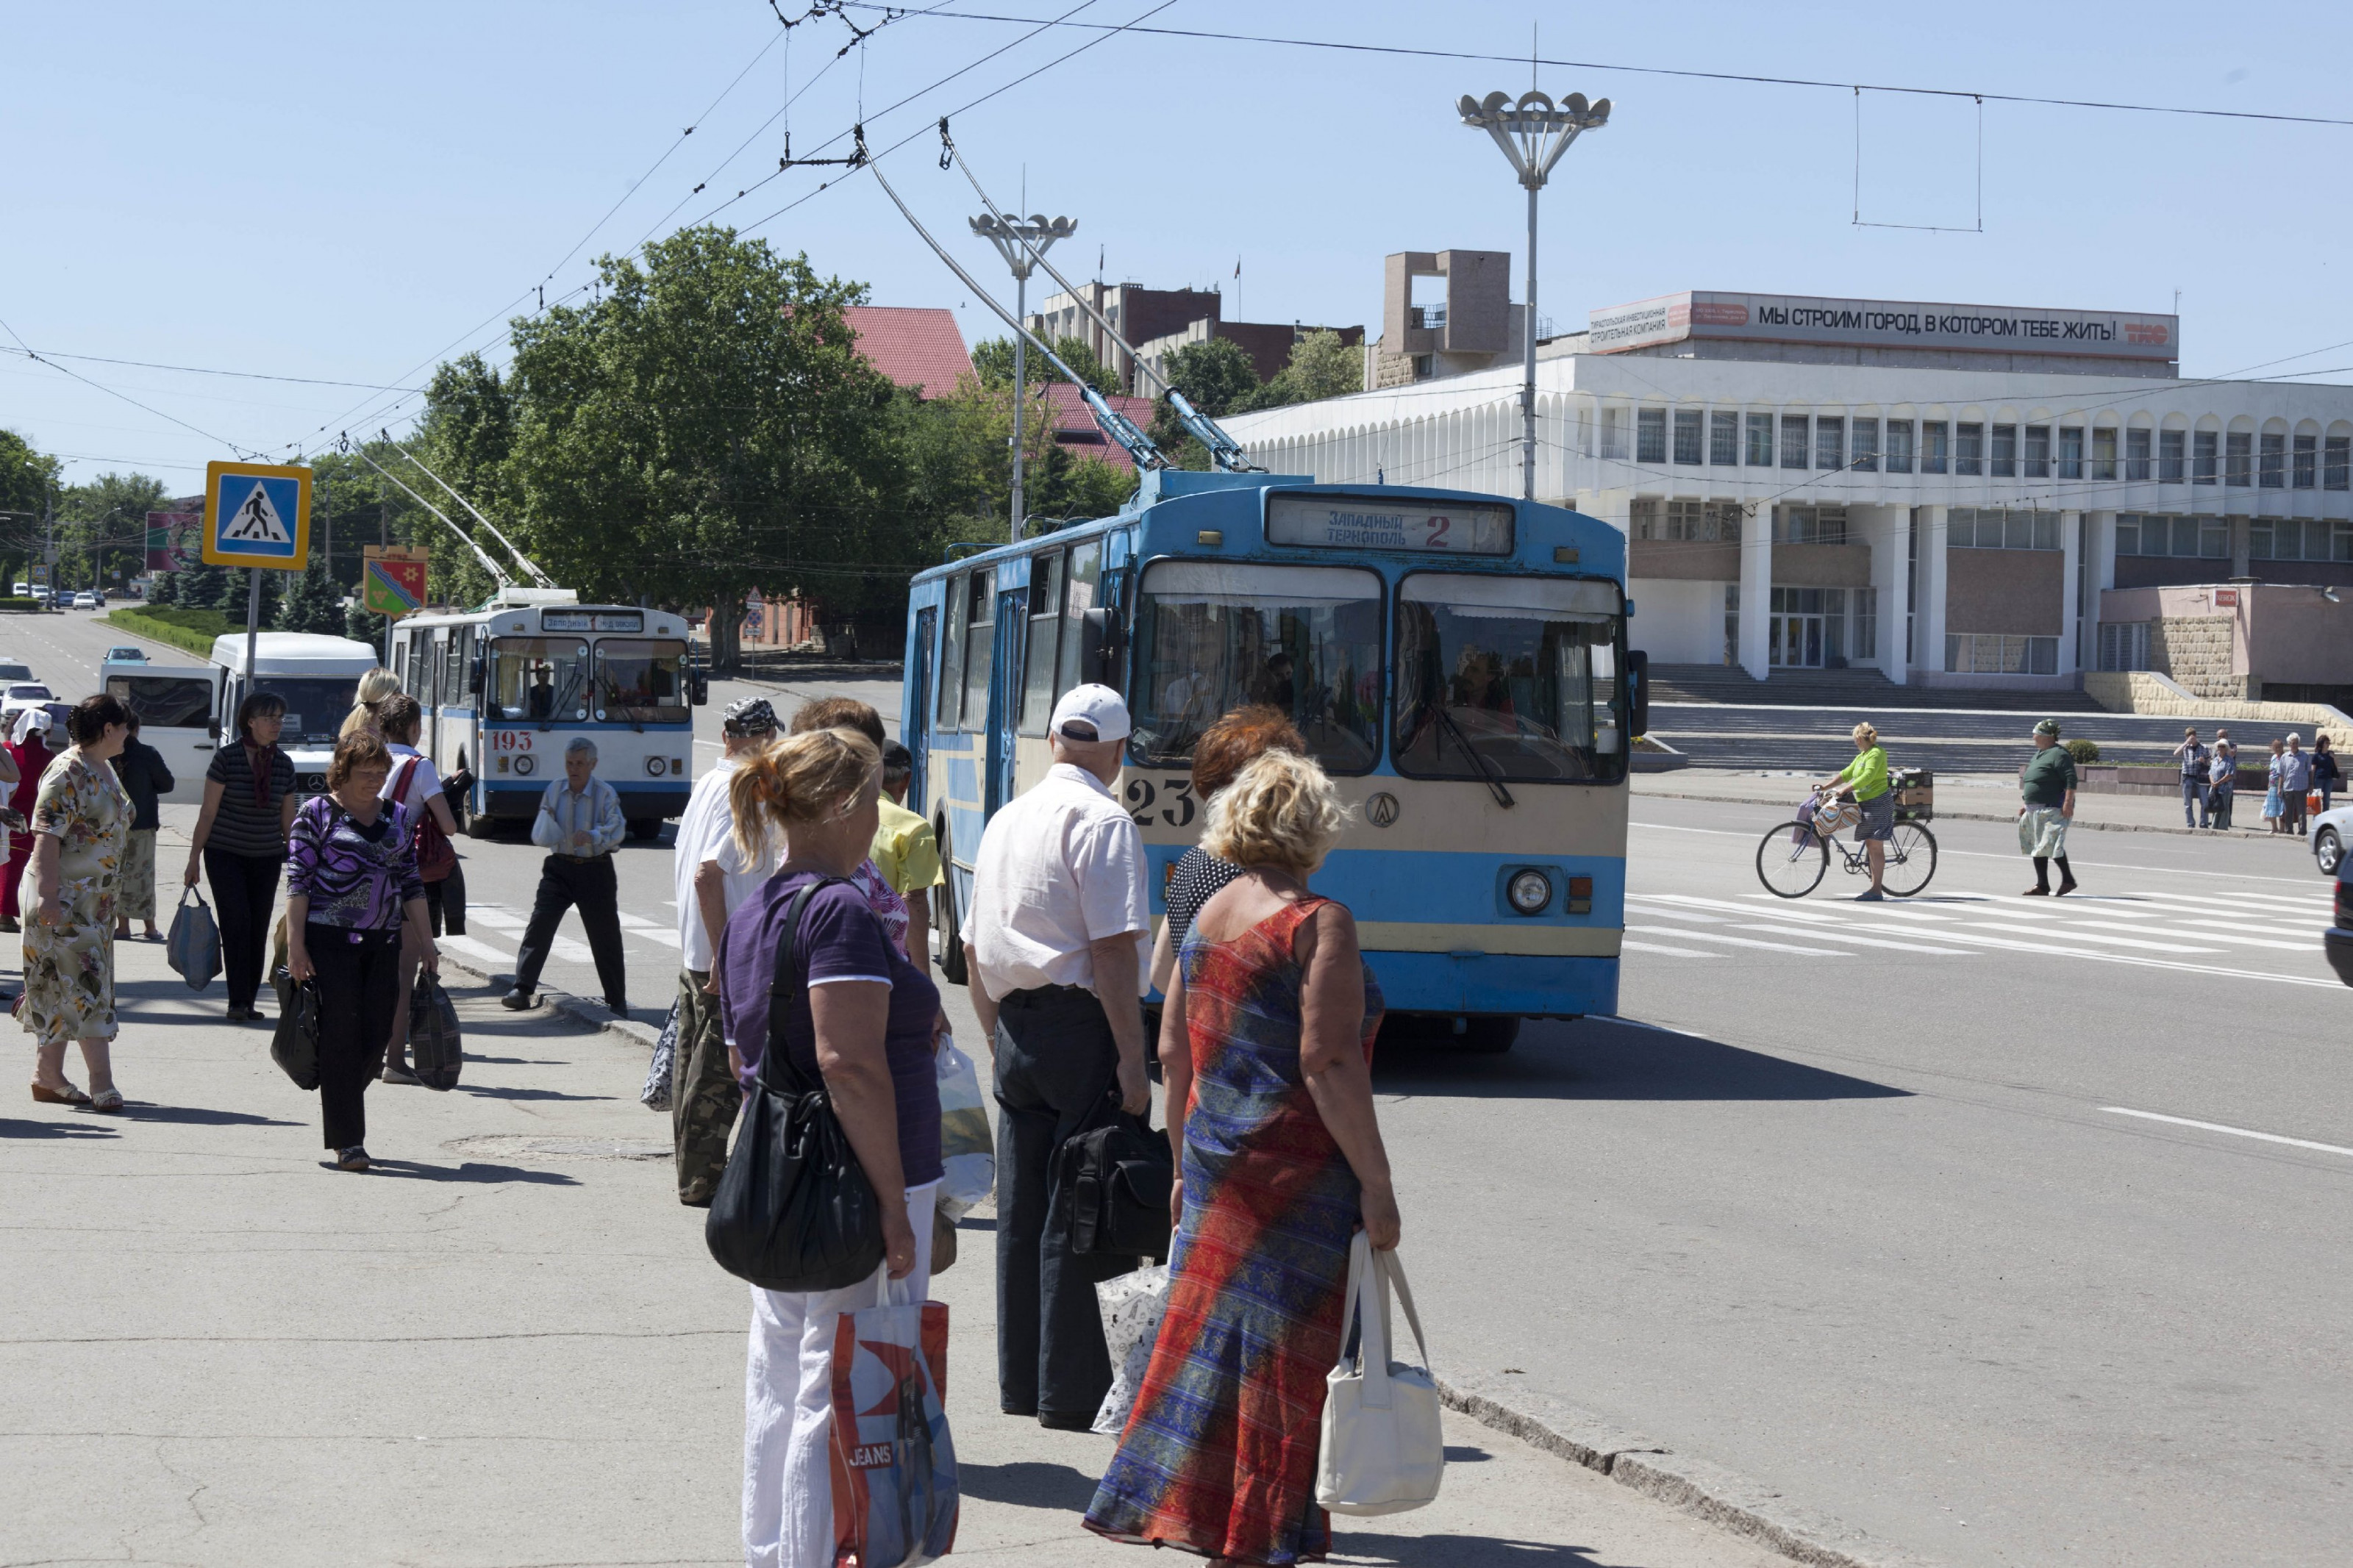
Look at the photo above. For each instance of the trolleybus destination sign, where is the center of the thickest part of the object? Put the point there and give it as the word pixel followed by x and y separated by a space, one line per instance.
pixel 1382 522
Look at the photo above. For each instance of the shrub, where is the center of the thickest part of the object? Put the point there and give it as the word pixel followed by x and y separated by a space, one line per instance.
pixel 2082 752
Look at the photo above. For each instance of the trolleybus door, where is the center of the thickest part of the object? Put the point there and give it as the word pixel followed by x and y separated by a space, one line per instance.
pixel 915 729
pixel 1004 692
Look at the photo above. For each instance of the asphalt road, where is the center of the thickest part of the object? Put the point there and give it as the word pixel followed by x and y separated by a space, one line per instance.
pixel 2009 1231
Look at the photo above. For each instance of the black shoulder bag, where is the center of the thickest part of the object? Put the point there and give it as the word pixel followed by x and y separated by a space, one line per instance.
pixel 794 1210
pixel 1118 1172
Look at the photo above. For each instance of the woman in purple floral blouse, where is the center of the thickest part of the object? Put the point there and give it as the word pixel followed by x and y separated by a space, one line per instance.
pixel 351 883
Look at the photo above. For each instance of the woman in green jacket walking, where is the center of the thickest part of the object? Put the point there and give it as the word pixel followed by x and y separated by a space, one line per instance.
pixel 1865 780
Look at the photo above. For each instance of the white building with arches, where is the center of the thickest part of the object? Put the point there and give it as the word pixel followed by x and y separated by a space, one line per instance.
pixel 1952 495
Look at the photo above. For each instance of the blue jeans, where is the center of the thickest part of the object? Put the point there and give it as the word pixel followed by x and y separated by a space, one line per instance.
pixel 2192 790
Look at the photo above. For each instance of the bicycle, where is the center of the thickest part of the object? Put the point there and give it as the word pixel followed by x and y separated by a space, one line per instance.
pixel 1793 858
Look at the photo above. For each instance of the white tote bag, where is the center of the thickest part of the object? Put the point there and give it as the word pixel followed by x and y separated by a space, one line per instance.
pixel 1383 1452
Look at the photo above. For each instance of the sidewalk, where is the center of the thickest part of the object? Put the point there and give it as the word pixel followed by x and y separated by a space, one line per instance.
pixel 1968 798
pixel 504 1347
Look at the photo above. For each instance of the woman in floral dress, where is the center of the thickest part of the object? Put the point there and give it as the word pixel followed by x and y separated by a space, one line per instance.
pixel 1266 1047
pixel 81 825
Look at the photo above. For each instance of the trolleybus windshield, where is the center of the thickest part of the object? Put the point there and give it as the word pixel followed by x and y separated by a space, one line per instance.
pixel 1515 677
pixel 538 678
pixel 1212 636
pixel 641 681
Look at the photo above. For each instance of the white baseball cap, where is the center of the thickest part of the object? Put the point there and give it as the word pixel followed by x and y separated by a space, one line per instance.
pixel 1098 706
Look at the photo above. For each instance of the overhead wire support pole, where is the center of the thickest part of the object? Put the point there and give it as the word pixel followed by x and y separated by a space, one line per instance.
pixel 498 572
pixel 1006 232
pixel 1115 425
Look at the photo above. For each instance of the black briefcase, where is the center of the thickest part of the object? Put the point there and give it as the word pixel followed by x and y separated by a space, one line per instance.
pixel 1118 1174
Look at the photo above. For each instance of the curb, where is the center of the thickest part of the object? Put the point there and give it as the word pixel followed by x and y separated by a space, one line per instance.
pixel 2078 824
pixel 1730 1502
pixel 579 1009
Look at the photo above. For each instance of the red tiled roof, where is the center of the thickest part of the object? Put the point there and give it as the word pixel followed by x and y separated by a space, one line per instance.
pixel 916 346
pixel 1075 426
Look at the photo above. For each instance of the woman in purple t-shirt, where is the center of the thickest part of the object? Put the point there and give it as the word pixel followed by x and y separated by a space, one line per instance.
pixel 863 1019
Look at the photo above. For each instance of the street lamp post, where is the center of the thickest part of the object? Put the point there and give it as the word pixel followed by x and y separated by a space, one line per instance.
pixel 1534 133
pixel 1021 244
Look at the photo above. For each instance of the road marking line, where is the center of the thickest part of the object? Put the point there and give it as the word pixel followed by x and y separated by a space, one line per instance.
pixel 569 951
pixel 1741 941
pixel 2232 936
pixel 1632 947
pixel 638 922
pixel 2233 1131
pixel 1868 940
pixel 481 950
pixel 2073 935
pixel 1754 835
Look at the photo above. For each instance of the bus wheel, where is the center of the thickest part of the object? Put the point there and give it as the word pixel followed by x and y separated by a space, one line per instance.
pixel 645 827
pixel 1487 1036
pixel 950 927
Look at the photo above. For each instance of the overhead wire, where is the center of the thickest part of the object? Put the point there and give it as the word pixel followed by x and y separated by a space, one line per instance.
pixel 111 392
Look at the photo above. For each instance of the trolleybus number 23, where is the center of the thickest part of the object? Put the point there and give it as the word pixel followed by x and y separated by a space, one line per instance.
pixel 1174 797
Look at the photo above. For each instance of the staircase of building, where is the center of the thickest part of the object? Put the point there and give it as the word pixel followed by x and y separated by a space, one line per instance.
pixel 1857 687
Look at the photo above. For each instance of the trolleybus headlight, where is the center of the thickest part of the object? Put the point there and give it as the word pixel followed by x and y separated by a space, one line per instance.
pixel 525 764
pixel 656 765
pixel 1530 891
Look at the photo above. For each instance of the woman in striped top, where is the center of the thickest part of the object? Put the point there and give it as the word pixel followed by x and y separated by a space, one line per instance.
pixel 240 841
pixel 351 884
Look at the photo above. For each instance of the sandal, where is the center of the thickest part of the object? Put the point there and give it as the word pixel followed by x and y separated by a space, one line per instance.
pixel 107 1101
pixel 70 1095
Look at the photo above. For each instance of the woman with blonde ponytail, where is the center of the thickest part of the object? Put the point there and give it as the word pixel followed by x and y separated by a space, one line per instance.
pixel 375 685
pixel 860 1019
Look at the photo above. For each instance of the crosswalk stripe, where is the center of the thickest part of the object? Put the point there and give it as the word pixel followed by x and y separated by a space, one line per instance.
pixel 2073 934
pixel 1742 941
pixel 481 950
pixel 1631 945
pixel 1867 941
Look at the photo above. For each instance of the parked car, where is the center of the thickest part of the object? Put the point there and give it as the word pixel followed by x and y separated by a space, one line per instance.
pixel 15 670
pixel 2336 942
pixel 2331 831
pixel 23 589
pixel 119 653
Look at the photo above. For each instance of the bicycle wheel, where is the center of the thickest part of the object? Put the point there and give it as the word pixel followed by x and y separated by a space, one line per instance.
pixel 1911 860
pixel 1791 860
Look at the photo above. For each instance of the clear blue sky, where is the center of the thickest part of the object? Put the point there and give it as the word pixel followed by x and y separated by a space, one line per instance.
pixel 343 193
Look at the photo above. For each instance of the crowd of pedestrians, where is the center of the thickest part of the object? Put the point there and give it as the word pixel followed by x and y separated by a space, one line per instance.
pixel 2292 778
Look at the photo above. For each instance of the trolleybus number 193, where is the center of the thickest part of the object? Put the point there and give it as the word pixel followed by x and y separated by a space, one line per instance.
pixel 506 741
pixel 1177 794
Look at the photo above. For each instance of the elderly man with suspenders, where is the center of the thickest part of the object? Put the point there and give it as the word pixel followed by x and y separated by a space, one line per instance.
pixel 579 825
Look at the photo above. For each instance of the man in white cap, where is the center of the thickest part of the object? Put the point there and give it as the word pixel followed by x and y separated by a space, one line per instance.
pixel 1054 949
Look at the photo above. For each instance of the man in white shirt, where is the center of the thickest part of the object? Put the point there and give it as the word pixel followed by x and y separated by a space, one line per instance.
pixel 1055 956
pixel 579 825
pixel 704 1094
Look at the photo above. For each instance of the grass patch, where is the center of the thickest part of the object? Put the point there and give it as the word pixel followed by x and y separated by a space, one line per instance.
pixel 193 630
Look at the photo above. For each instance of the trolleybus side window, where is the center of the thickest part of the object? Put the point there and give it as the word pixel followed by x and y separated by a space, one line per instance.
pixel 453 666
pixel 1084 594
pixel 953 606
pixel 538 678
pixel 1212 636
pixel 1515 677
pixel 1045 620
pixel 979 647
pixel 641 680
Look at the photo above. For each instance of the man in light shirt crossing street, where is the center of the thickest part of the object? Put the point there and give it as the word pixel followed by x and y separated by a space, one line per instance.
pixel 579 825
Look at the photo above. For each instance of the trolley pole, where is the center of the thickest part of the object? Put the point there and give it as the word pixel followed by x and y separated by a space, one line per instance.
pixel 1533 133
pixel 1021 244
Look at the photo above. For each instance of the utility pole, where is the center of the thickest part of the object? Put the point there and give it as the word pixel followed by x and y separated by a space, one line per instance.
pixel 1007 233
pixel 1533 133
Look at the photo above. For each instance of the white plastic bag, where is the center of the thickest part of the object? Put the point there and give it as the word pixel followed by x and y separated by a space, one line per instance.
pixel 1131 1306
pixel 968 1148
pixel 1382 1450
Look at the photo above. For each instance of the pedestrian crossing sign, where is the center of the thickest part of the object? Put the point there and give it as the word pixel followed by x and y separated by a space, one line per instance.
pixel 256 514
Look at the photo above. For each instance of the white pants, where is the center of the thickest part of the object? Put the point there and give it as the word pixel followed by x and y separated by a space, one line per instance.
pixel 788 1406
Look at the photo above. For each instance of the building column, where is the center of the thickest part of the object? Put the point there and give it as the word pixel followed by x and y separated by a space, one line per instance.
pixel 1889 540
pixel 1756 588
pixel 2072 526
pixel 2238 556
pixel 1929 614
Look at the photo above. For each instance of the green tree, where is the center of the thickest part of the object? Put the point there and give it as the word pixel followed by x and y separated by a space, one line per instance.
pixel 102 528
pixel 1215 375
pixel 361 625
pixel 230 598
pixel 312 603
pixel 1320 366
pixel 992 362
pixel 163 592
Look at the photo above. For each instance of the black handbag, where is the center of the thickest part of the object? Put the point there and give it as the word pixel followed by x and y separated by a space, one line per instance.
pixel 1118 1173
pixel 294 1045
pixel 436 1048
pixel 792 1210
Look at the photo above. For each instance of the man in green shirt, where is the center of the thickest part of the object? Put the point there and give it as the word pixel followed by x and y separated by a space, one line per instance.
pixel 2046 788
pixel 1866 780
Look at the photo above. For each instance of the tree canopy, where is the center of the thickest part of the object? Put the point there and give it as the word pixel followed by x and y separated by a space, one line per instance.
pixel 992 362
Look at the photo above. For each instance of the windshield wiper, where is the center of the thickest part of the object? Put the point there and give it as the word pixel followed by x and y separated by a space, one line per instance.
pixel 1487 769
pixel 612 693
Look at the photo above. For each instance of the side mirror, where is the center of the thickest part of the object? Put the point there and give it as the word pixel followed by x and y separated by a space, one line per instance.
pixel 699 689
pixel 1102 647
pixel 1637 692
pixel 474 677
pixel 211 729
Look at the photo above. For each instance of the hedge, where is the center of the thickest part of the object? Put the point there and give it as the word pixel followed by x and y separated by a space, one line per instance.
pixel 191 629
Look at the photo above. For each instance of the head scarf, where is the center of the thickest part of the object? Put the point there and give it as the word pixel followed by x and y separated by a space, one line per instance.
pixel 29 722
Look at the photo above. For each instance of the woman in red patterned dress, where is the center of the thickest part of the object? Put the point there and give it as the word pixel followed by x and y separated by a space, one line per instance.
pixel 1266 1044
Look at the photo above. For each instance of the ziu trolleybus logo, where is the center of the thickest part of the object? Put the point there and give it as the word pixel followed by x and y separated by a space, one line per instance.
pixel 1381 810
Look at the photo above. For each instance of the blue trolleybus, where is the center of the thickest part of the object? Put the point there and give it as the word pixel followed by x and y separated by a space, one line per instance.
pixel 1457 662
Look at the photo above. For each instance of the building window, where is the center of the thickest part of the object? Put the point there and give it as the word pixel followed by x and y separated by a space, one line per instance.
pixel 1688 423
pixel 2038 451
pixel 1998 528
pixel 1932 446
pixel 2136 453
pixel 1642 519
pixel 2285 539
pixel 2274 475
pixel 1723 439
pixel 2204 445
pixel 2103 454
pixel 1732 623
pixel 2307 462
pixel 1899 446
pixel 1809 525
pixel 2169 444
pixel 1651 436
pixel 1613 433
pixel 2071 451
pixel 2187 538
pixel 1863 450
pixel 2124 644
pixel 1793 440
pixel 2239 459
pixel 1968 448
pixel 2337 469
pixel 1991 653
pixel 1866 622
pixel 1830 443
pixel 1697 523
pixel 1424 366
pixel 1760 441
pixel 2005 452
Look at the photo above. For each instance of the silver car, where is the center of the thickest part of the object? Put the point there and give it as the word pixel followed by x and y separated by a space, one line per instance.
pixel 2331 831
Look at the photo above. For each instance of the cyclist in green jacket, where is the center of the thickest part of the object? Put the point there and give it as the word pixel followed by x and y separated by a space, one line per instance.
pixel 1865 780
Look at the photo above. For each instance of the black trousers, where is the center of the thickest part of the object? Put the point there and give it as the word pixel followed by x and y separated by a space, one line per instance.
pixel 1055 1062
pixel 445 902
pixel 244 888
pixel 593 886
pixel 359 978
